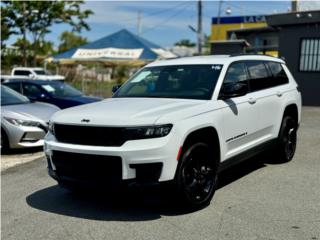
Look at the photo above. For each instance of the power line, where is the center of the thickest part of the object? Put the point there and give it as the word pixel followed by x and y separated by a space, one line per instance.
pixel 168 19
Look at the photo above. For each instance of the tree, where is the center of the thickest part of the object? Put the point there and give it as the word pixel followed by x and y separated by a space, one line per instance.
pixel 36 18
pixel 6 26
pixel 185 42
pixel 70 40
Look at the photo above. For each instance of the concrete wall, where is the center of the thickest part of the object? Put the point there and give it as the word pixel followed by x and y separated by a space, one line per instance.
pixel 289 48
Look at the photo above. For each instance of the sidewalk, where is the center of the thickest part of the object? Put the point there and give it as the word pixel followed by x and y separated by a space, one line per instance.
pixel 17 158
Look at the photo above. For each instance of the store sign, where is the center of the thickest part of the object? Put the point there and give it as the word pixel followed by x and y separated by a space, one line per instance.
pixel 118 53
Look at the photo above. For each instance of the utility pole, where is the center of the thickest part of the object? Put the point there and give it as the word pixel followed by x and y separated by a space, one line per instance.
pixel 218 19
pixel 294 5
pixel 200 35
pixel 139 23
pixel 24 52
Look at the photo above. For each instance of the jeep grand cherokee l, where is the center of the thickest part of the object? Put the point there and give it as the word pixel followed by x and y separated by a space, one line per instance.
pixel 180 120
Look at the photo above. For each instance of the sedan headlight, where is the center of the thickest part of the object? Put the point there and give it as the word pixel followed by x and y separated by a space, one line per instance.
pixel 136 133
pixel 20 122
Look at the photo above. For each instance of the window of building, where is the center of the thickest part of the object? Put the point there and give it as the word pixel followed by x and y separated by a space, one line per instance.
pixel 310 55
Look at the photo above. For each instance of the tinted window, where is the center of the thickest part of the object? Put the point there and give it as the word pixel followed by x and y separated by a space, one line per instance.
pixel 182 81
pixel 260 78
pixel 236 73
pixel 278 73
pixel 14 86
pixel 31 90
pixel 22 73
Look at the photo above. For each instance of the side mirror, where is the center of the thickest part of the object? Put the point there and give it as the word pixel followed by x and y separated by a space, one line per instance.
pixel 231 90
pixel 115 88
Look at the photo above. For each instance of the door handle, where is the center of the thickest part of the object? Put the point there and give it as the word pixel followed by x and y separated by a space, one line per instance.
pixel 279 94
pixel 252 100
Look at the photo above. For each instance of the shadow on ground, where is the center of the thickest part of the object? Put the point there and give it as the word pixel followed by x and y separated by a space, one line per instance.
pixel 8 152
pixel 131 205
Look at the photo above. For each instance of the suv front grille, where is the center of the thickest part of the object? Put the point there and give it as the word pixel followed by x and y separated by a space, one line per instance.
pixel 89 135
pixel 87 167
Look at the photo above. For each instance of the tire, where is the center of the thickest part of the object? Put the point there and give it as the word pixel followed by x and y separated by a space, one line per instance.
pixel 196 176
pixel 287 140
pixel 4 141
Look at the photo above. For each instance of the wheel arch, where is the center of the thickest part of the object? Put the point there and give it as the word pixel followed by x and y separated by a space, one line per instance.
pixel 292 110
pixel 208 135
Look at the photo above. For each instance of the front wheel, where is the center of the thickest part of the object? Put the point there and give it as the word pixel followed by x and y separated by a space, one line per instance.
pixel 196 176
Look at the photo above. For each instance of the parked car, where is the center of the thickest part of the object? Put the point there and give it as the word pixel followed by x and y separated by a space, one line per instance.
pixel 58 93
pixel 181 121
pixel 23 123
pixel 33 73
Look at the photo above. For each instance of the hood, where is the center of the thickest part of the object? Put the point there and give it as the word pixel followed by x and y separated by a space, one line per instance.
pixel 124 111
pixel 29 111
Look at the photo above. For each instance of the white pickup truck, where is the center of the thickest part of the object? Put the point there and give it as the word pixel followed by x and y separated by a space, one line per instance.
pixel 32 73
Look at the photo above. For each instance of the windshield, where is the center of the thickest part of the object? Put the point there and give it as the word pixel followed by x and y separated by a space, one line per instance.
pixel 40 72
pixel 61 89
pixel 183 81
pixel 11 97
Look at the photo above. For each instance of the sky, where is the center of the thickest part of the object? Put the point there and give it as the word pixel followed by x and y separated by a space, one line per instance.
pixel 162 22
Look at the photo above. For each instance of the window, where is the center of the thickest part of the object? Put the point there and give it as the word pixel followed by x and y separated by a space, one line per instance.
pixel 181 81
pixel 14 86
pixel 310 55
pixel 236 73
pixel 31 90
pixel 22 73
pixel 278 73
pixel 260 78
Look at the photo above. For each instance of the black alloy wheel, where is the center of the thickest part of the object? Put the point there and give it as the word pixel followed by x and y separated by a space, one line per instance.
pixel 287 139
pixel 197 175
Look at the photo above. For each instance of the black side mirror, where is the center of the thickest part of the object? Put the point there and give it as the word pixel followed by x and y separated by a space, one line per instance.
pixel 115 88
pixel 231 90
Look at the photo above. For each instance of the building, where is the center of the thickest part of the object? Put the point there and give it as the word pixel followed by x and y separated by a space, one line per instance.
pixel 299 44
pixel 293 36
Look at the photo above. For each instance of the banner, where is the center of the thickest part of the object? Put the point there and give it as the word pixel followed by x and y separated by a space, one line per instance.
pixel 108 53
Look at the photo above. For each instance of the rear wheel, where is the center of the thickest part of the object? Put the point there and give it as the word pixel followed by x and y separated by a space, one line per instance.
pixel 287 140
pixel 196 176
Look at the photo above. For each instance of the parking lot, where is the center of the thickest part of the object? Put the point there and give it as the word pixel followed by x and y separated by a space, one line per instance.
pixel 255 200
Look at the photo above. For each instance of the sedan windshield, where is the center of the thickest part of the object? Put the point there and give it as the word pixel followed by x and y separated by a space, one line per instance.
pixel 11 97
pixel 60 89
pixel 183 81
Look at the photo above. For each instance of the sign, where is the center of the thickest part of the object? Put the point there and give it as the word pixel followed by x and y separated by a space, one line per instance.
pixel 117 53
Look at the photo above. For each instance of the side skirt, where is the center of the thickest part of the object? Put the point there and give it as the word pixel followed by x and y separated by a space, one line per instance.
pixel 246 155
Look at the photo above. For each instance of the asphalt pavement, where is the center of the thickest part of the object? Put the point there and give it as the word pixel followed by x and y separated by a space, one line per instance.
pixel 255 200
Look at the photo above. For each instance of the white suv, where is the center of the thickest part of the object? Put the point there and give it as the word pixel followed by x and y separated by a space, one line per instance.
pixel 180 120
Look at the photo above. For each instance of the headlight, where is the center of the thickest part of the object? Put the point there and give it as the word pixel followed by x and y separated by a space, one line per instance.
pixel 147 132
pixel 20 122
pixel 51 127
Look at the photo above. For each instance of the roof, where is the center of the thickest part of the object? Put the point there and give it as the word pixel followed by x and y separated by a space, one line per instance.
pixel 39 82
pixel 213 59
pixel 122 45
pixel 294 18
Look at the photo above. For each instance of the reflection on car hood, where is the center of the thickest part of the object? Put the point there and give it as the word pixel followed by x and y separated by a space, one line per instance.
pixel 29 111
pixel 124 111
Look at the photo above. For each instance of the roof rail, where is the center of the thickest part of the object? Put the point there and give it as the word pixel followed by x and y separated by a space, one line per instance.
pixel 250 54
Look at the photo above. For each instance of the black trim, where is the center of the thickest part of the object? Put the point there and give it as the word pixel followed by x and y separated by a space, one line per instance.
pixel 246 155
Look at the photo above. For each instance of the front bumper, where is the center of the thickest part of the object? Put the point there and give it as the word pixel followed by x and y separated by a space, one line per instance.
pixel 24 137
pixel 147 160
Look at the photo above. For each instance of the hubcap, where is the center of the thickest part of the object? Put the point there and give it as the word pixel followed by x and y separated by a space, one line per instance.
pixel 290 142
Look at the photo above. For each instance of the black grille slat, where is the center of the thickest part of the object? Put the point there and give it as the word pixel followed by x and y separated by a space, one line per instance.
pixel 87 167
pixel 89 135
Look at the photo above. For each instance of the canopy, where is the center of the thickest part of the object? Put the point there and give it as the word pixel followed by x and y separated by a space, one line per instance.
pixel 122 46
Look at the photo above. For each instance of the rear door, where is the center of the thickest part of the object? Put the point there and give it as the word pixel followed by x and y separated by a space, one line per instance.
pixel 268 84
pixel 240 115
